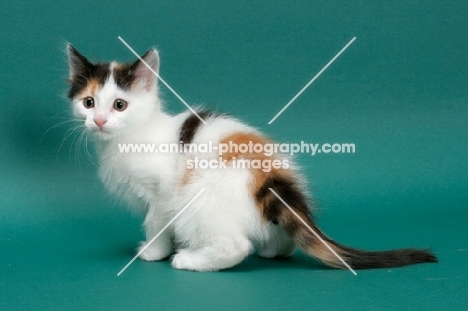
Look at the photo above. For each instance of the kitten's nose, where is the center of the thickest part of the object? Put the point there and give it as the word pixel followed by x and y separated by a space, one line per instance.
pixel 100 122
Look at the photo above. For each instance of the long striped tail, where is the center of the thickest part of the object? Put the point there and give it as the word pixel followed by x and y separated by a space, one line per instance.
pixel 273 209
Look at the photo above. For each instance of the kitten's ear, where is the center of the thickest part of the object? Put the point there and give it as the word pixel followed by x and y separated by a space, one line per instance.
pixel 77 63
pixel 145 75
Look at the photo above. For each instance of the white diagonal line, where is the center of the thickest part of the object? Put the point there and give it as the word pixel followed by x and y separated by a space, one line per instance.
pixel 311 81
pixel 162 80
pixel 160 232
pixel 313 231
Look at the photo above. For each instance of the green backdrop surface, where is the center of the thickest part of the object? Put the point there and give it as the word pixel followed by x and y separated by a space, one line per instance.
pixel 399 93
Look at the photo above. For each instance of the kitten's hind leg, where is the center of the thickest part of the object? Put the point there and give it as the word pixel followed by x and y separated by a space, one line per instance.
pixel 162 247
pixel 222 253
pixel 278 245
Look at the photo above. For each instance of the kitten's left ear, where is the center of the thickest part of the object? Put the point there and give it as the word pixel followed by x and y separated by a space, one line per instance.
pixel 145 75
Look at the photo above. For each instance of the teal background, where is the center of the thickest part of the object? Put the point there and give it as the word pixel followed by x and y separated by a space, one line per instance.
pixel 399 92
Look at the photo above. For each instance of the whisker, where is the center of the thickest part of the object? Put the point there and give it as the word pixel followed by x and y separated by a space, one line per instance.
pixel 69 133
pixel 77 145
pixel 57 125
pixel 91 158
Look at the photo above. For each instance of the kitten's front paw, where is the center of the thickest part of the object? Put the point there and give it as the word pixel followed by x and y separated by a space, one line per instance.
pixel 154 253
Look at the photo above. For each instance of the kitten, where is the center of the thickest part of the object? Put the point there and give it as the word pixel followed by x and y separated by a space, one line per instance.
pixel 237 214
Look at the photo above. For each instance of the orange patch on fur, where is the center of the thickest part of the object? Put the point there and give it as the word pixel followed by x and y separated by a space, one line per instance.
pixel 91 89
pixel 117 65
pixel 313 245
pixel 93 86
pixel 186 177
pixel 241 138
pixel 258 174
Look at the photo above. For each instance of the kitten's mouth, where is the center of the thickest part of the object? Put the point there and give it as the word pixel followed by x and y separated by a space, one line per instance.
pixel 102 133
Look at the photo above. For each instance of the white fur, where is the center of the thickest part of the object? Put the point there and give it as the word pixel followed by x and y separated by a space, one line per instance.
pixel 221 227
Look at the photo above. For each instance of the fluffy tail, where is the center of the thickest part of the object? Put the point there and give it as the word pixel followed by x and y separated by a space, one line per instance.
pixel 273 209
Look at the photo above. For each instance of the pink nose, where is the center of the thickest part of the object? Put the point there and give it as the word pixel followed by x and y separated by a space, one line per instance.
pixel 100 122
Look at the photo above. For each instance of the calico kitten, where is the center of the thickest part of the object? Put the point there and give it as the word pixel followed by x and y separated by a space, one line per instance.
pixel 236 215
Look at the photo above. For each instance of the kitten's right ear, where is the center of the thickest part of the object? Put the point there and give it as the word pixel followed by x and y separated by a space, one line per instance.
pixel 144 73
pixel 77 63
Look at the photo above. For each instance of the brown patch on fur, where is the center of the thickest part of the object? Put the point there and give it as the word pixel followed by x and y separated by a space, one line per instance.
pixel 304 237
pixel 309 241
pixel 191 125
pixel 319 250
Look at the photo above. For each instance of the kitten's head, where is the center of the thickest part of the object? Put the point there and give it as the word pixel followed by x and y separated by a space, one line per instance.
pixel 113 98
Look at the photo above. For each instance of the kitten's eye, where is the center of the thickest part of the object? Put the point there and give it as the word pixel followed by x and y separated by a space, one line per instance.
pixel 88 102
pixel 120 105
